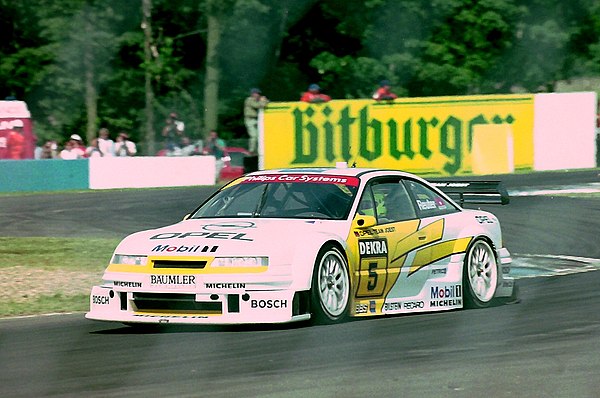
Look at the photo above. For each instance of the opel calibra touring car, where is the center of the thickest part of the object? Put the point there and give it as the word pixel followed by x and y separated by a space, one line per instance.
pixel 324 244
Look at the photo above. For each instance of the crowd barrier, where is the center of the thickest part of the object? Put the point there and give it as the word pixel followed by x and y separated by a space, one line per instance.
pixel 105 173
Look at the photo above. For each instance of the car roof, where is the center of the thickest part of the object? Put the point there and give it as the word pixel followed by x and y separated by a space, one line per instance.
pixel 343 171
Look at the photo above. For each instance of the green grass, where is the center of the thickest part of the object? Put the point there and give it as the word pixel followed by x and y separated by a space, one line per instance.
pixel 47 275
pixel 57 303
pixel 56 253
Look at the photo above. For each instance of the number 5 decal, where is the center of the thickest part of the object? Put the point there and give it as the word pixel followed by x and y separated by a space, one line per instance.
pixel 372 277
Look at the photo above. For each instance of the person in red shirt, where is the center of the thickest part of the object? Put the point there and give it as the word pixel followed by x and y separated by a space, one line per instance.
pixel 16 141
pixel 314 95
pixel 384 92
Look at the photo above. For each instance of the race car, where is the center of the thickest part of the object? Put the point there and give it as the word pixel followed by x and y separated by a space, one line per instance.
pixel 320 244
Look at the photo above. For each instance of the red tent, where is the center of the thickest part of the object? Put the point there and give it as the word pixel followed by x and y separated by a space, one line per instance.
pixel 9 112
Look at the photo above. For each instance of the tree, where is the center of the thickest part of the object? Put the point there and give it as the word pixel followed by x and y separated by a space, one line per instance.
pixel 150 134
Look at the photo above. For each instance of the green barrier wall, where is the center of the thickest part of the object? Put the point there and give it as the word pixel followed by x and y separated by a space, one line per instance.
pixel 43 175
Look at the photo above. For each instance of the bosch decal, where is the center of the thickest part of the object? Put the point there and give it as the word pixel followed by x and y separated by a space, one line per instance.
pixel 101 300
pixel 266 304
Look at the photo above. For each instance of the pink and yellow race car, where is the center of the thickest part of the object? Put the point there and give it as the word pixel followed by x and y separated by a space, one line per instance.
pixel 323 244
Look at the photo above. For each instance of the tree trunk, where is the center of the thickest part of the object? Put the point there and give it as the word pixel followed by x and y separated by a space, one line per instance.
pixel 211 79
pixel 91 94
pixel 149 107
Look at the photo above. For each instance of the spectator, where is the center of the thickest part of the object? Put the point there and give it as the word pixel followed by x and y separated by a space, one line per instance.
pixel 49 150
pixel 78 145
pixel 172 131
pixel 314 95
pixel 106 145
pixel 68 153
pixel 189 148
pixel 252 105
pixel 15 141
pixel 125 147
pixel 384 92
pixel 92 150
pixel 215 147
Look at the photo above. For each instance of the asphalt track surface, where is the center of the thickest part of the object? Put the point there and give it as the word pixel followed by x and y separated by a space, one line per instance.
pixel 546 345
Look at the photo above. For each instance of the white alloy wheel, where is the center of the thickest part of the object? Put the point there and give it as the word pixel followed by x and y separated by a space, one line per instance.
pixel 331 286
pixel 481 274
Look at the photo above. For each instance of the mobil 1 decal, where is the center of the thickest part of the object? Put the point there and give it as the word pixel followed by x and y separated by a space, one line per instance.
pixel 373 254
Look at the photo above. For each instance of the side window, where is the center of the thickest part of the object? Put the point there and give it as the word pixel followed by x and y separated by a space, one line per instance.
pixel 393 202
pixel 366 206
pixel 428 202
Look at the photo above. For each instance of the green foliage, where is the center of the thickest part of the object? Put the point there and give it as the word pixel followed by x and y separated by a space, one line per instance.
pixel 51 48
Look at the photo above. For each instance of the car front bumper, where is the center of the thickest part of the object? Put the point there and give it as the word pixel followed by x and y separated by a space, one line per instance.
pixel 249 307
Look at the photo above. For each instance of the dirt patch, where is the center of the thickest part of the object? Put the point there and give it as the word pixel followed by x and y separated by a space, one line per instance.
pixel 20 284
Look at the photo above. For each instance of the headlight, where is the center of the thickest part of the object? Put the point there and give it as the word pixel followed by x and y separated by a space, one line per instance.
pixel 129 259
pixel 240 262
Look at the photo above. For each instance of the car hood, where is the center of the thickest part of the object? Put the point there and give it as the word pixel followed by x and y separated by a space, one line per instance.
pixel 230 237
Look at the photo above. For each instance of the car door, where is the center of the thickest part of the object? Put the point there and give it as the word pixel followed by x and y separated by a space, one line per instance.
pixel 384 251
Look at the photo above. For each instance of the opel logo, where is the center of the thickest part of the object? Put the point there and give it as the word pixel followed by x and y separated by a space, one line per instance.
pixel 228 226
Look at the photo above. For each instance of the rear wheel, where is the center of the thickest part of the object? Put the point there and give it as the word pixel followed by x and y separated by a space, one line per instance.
pixel 330 292
pixel 480 275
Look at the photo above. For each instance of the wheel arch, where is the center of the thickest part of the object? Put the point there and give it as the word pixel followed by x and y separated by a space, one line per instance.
pixel 468 299
pixel 304 264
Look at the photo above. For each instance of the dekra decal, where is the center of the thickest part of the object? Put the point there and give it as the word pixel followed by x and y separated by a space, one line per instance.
pixel 372 247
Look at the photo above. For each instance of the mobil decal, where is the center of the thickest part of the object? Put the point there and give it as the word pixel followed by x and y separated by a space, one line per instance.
pixel 185 249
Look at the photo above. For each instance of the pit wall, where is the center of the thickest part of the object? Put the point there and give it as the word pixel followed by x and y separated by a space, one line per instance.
pixel 483 134
pixel 105 173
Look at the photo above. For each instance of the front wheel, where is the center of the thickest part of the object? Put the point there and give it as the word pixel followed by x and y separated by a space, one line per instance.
pixel 480 275
pixel 330 292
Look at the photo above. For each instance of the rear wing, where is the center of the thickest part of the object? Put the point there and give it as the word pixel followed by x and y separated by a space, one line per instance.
pixel 474 192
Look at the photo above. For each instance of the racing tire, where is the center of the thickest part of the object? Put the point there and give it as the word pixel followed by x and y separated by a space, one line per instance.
pixel 480 275
pixel 330 291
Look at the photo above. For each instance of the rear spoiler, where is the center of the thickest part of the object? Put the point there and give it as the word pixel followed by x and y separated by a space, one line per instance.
pixel 475 192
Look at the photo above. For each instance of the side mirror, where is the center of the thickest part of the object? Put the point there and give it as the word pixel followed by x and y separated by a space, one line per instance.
pixel 187 216
pixel 363 222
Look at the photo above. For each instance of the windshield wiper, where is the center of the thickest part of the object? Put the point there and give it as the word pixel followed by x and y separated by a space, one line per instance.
pixel 261 202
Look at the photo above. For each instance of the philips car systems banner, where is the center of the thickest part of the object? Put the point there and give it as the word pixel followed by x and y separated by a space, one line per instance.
pixel 421 135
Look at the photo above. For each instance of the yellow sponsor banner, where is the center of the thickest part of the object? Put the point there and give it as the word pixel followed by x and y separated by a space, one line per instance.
pixel 421 135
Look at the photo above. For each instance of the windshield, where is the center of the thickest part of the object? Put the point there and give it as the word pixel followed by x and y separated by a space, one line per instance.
pixel 283 196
